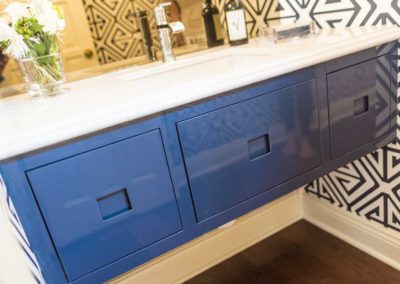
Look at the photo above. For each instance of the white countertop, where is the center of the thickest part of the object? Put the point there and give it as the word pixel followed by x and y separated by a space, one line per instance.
pixel 97 103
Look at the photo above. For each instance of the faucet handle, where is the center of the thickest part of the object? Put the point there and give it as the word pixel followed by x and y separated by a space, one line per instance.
pixel 161 19
pixel 177 27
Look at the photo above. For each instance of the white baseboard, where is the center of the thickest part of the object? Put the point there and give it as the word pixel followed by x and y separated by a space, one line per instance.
pixel 201 254
pixel 373 239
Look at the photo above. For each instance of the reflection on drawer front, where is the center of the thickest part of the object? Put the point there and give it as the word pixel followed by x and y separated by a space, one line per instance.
pixel 102 205
pixel 359 105
pixel 241 150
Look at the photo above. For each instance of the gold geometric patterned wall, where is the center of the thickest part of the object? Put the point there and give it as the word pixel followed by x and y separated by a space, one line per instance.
pixel 115 33
pixel 114 29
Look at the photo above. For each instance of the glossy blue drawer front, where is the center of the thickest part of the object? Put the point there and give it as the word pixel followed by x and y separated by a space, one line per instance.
pixel 239 151
pixel 104 204
pixel 359 105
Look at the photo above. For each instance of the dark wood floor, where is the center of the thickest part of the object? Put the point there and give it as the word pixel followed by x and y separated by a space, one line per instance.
pixel 301 253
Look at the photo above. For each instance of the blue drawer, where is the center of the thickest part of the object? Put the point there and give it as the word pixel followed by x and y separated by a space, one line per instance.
pixel 107 203
pixel 359 105
pixel 239 151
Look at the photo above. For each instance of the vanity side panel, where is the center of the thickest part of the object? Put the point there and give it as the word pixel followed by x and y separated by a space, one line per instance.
pixel 41 250
pixel 19 263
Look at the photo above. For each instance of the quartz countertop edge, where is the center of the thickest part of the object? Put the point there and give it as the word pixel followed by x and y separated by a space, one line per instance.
pixel 108 100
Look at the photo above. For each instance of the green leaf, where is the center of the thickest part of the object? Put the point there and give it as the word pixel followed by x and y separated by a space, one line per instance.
pixel 45 60
pixel 40 48
pixel 36 27
pixel 4 44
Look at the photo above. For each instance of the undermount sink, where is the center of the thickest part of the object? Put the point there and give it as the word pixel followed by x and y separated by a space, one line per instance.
pixel 189 68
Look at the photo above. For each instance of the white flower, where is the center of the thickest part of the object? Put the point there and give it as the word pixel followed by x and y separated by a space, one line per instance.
pixel 49 21
pixel 5 31
pixel 42 4
pixel 48 16
pixel 61 24
pixel 17 47
pixel 16 11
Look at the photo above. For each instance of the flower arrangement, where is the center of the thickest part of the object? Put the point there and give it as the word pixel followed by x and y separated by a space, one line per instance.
pixel 29 33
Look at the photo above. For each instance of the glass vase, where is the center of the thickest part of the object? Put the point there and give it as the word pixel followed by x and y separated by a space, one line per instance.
pixel 43 75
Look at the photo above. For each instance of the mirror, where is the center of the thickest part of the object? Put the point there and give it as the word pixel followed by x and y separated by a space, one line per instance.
pixel 102 36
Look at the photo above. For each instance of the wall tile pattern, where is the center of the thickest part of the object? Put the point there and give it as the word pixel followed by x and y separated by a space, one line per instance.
pixel 114 29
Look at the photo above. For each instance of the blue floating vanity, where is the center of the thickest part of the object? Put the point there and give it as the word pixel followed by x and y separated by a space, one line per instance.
pixel 104 200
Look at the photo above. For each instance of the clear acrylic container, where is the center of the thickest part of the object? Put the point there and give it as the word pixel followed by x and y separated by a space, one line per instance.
pixel 281 33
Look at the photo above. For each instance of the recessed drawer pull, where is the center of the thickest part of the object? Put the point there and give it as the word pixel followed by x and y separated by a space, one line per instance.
pixel 114 204
pixel 259 147
pixel 361 105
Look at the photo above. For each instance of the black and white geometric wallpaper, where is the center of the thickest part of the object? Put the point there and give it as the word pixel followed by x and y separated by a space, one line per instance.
pixel 326 13
pixel 370 186
pixel 334 13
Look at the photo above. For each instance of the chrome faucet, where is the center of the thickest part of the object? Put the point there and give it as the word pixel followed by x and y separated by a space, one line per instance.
pixel 166 30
